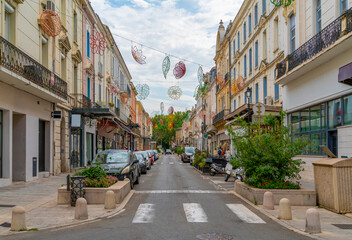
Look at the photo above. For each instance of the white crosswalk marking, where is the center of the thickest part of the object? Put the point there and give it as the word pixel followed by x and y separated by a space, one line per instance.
pixel 171 163
pixel 194 212
pixel 145 213
pixel 244 213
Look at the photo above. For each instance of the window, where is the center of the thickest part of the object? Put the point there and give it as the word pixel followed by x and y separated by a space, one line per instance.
pixel 234 104
pixel 250 60
pixel 234 73
pixel 276 33
pixel 245 97
pixel 256 92
pixel 244 32
pixel 305 127
pixel 75 26
pixel 9 22
pixel 63 67
pixel 343 6
pixel 265 50
pixel 249 24
pixel 318 16
pixel 335 114
pixel 88 87
pixel 234 47
pixel 264 6
pixel 63 12
pixel 347 103
pixel 256 14
pixel 256 61
pixel 75 80
pixel 88 44
pixel 265 88
pixel 45 52
pixel 238 41
pixel 99 91
pixel 245 66
pixel 292 34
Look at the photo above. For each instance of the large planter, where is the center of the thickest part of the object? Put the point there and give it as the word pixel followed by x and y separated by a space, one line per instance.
pixel 97 195
pixel 297 197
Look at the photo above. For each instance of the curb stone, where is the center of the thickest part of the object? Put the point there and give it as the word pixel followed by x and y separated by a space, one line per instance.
pixel 118 210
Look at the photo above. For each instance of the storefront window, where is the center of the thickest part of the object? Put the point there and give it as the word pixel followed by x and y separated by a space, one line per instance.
pixel 323 116
pixel 347 101
pixel 315 141
pixel 315 120
pixel 335 118
pixel 295 122
pixel 305 120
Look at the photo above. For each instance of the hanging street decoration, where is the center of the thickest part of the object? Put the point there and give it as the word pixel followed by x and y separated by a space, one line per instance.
pixel 175 92
pixel 162 107
pixel 196 91
pixel 143 91
pixel 171 110
pixel 220 79
pixel 166 66
pixel 240 83
pixel 138 55
pixel 279 3
pixel 234 88
pixel 124 98
pixel 212 115
pixel 200 75
pixel 50 23
pixel 179 70
pixel 97 42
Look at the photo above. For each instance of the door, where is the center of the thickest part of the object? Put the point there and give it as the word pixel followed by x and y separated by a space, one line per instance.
pixel 333 146
pixel 89 149
pixel 76 148
pixel 41 146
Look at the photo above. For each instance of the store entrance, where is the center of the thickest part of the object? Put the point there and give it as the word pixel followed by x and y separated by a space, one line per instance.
pixel 333 144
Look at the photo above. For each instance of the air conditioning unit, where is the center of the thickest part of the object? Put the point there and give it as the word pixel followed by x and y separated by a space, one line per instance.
pixel 269 100
pixel 50 5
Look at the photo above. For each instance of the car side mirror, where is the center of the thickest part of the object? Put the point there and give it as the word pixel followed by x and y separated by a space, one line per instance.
pixel 135 161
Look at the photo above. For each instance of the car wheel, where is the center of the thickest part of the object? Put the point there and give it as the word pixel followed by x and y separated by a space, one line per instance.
pixel 137 181
pixel 131 181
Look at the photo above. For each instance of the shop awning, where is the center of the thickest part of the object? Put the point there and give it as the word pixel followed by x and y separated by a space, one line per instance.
pixel 125 128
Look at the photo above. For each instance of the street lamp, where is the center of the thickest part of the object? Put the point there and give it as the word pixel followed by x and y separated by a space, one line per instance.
pixel 248 95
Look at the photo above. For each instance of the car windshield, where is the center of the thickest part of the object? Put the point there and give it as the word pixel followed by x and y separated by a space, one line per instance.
pixel 189 150
pixel 140 157
pixel 145 154
pixel 111 157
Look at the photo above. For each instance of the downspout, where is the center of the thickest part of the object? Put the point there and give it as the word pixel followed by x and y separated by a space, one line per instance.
pixel 230 74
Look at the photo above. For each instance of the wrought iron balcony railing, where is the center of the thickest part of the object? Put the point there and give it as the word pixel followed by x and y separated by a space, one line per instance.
pixel 325 38
pixel 81 101
pixel 220 116
pixel 19 62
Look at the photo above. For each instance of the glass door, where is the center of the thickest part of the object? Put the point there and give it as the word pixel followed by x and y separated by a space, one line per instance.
pixel 89 149
pixel 76 148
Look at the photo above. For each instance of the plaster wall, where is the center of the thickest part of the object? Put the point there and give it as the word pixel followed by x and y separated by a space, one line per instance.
pixel 19 149
pixel 344 141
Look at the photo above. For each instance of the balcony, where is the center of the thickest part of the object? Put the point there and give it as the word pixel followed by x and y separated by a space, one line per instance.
pixel 317 49
pixel 23 72
pixel 84 105
pixel 220 116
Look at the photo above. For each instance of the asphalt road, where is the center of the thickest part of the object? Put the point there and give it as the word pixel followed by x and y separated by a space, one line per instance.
pixel 173 201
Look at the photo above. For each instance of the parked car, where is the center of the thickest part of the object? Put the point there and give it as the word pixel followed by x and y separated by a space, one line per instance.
pixel 188 154
pixel 168 151
pixel 147 156
pixel 120 163
pixel 156 155
pixel 152 156
pixel 143 161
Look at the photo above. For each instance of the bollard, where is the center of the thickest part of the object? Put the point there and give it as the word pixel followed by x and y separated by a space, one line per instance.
pixel 110 202
pixel 313 221
pixel 268 202
pixel 285 212
pixel 81 211
pixel 18 218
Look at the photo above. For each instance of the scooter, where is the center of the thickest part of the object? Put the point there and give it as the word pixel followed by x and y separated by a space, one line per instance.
pixel 216 169
pixel 233 172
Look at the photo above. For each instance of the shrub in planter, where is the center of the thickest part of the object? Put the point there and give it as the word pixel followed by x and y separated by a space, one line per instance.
pixel 93 172
pixel 200 159
pixel 103 182
pixel 265 152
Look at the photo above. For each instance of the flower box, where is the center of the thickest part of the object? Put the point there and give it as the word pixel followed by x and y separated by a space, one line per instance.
pixel 297 197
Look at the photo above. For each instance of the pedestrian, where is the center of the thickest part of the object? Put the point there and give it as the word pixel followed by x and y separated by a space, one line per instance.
pixel 220 152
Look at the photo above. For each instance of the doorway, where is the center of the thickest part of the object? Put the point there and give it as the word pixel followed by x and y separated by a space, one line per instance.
pixel 333 142
pixel 76 158
pixel 41 146
pixel 89 147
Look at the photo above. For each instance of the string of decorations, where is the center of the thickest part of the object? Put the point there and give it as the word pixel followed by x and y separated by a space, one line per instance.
pixel 171 110
pixel 138 55
pixel 50 23
pixel 166 66
pixel 143 91
pixel 97 42
pixel 175 92
pixel 279 3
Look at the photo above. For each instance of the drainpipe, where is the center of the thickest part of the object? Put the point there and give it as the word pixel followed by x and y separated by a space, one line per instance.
pixel 230 75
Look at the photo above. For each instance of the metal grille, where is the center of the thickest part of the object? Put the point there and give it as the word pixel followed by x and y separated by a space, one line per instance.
pixel 349 20
pixel 343 226
pixel 77 191
pixel 5 224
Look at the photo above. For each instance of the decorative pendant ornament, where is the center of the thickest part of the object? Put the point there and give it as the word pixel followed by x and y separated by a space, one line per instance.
pixel 138 55
pixel 179 70
pixel 50 23
pixel 154 121
pixel 162 107
pixel 143 91
pixel 166 66
pixel 240 83
pixel 279 3
pixel 172 124
pixel 175 92
pixel 124 98
pixel 220 79
pixel 200 75
pixel 97 42
pixel 212 115
pixel 171 110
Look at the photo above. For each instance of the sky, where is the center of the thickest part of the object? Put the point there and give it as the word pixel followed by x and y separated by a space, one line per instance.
pixel 184 28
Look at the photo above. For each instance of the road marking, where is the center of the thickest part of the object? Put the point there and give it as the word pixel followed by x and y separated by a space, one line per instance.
pixel 181 163
pixel 182 191
pixel 244 213
pixel 145 213
pixel 194 212
pixel 171 163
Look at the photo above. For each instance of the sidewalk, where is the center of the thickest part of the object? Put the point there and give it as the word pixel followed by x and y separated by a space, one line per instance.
pixel 39 198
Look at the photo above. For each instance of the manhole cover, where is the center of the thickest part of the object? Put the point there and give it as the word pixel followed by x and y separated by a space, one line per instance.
pixel 214 236
pixel 5 224
pixel 343 226
pixel 6 205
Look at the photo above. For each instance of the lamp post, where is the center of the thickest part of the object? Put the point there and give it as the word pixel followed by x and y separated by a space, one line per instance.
pixel 248 95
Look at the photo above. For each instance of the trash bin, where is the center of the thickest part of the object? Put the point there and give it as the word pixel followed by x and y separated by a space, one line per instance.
pixel 333 183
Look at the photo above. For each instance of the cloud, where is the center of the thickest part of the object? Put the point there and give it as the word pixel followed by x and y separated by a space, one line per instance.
pixel 184 28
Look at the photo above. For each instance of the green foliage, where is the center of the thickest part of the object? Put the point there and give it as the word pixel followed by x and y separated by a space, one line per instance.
pixel 200 159
pixel 265 153
pixel 179 150
pixel 103 182
pixel 93 172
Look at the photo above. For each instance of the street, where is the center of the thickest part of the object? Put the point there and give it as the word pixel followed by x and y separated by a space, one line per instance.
pixel 174 201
